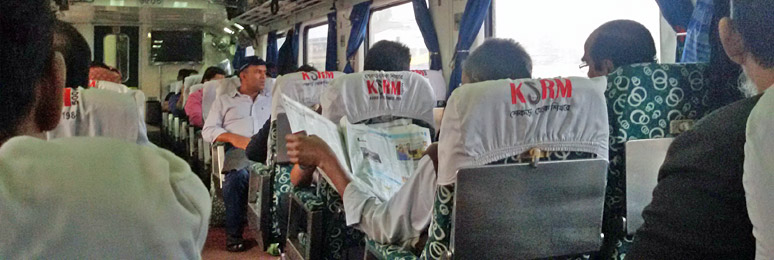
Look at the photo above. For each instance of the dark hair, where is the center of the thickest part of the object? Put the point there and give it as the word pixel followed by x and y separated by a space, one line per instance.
pixel 211 72
pixel 623 42
pixel 184 73
pixel 98 64
pixel 251 61
pixel 388 56
pixel 76 52
pixel 306 68
pixel 498 59
pixel 26 30
pixel 753 20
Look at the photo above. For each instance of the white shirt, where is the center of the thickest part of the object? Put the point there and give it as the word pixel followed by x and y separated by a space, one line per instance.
pixel 402 218
pixel 237 113
pixel 758 178
pixel 98 198
pixel 99 112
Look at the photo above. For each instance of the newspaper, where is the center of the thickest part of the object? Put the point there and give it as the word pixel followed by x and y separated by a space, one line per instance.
pixel 301 118
pixel 380 156
pixel 373 159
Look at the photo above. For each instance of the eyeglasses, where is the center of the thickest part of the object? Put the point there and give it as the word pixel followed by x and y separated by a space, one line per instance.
pixel 583 65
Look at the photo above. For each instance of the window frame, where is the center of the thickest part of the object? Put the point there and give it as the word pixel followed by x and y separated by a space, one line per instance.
pixel 306 38
pixel 367 41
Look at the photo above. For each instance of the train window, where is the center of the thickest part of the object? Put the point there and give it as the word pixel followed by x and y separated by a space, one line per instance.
pixel 280 39
pixel 554 37
pixel 316 45
pixel 397 23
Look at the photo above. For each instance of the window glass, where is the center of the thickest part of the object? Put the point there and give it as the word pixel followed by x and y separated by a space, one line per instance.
pixel 280 40
pixel 553 31
pixel 397 23
pixel 316 45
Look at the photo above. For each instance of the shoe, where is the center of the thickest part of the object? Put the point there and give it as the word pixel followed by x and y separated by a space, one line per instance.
pixel 236 247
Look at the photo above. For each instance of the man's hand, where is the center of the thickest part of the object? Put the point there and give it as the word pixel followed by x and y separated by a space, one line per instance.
pixel 237 141
pixel 309 151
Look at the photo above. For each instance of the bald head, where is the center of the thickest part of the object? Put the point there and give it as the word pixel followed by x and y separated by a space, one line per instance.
pixel 618 43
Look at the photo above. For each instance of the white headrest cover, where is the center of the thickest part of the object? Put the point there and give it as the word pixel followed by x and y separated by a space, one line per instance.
pixel 304 87
pixel 194 88
pixel 436 81
pixel 371 94
pixel 493 120
pixel 97 112
pixel 192 80
pixel 107 85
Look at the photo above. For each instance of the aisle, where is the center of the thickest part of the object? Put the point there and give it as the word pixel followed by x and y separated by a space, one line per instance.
pixel 215 247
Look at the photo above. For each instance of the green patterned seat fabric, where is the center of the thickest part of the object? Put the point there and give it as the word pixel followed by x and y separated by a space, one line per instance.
pixel 280 200
pixel 308 196
pixel 388 252
pixel 642 99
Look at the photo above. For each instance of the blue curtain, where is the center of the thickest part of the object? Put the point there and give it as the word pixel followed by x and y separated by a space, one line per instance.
pixel 426 26
pixel 296 45
pixel 271 48
pixel 359 19
pixel 286 61
pixel 239 56
pixel 697 42
pixel 331 53
pixel 472 19
pixel 678 13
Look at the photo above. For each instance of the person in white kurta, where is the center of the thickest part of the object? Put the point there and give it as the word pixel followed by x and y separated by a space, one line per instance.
pixel 758 178
pixel 98 198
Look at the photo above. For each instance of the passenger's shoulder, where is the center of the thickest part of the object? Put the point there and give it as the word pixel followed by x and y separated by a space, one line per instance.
pixel 91 153
pixel 734 114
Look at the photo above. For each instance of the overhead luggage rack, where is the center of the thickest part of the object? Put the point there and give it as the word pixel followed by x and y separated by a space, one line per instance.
pixel 262 14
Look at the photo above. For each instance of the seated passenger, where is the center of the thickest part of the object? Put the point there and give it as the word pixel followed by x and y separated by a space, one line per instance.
pixel 234 117
pixel 705 206
pixel 86 197
pixel 100 71
pixel 257 149
pixel 174 95
pixel 382 56
pixel 193 107
pixel 92 111
pixel 407 214
pixel 615 44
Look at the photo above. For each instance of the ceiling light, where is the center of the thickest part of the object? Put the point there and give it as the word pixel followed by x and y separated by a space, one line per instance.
pixel 239 26
pixel 227 30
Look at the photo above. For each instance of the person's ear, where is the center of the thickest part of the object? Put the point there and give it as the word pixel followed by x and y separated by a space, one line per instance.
pixel 49 94
pixel 607 67
pixel 731 40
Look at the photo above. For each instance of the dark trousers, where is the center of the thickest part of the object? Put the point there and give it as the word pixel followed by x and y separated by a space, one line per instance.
pixel 235 189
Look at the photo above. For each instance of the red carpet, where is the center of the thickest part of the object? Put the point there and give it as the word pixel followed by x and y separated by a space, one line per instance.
pixel 215 247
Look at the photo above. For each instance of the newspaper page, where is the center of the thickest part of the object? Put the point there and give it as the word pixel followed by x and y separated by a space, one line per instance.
pixel 301 118
pixel 373 159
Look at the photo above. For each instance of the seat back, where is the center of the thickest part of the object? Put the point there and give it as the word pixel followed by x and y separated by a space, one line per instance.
pixel 214 88
pixel 97 112
pixel 649 101
pixel 437 82
pixel 374 94
pixel 642 165
pixel 304 87
pixel 490 121
pixel 554 209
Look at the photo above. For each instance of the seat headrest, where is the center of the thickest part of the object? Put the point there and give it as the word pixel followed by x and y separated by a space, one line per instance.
pixel 373 94
pixel 192 80
pixel 195 88
pixel 107 85
pixel 436 81
pixel 489 121
pixel 303 87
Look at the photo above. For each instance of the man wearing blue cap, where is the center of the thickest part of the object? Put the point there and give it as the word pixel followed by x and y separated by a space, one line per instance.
pixel 235 116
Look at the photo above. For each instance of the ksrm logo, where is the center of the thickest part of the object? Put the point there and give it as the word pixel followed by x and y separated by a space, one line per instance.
pixel 317 75
pixel 384 89
pixel 551 88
